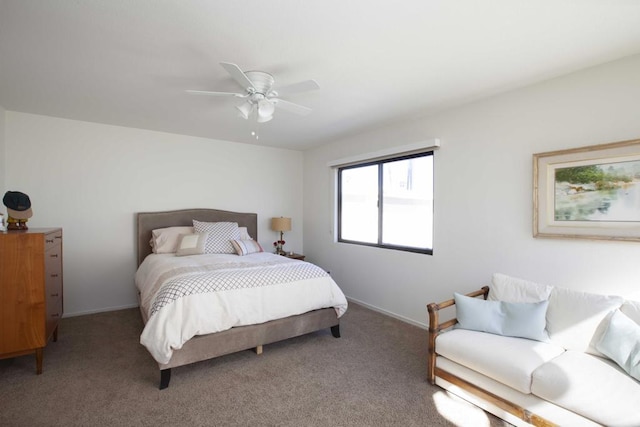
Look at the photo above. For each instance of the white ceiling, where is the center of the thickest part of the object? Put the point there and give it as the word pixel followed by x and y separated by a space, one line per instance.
pixel 128 62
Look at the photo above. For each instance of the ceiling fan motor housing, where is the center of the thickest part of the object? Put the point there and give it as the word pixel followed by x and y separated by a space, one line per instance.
pixel 262 82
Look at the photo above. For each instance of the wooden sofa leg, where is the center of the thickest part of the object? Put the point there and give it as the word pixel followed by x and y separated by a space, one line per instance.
pixel 335 331
pixel 165 377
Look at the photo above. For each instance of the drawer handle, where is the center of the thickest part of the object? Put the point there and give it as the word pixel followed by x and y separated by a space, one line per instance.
pixel 58 237
pixel 54 275
pixel 55 315
pixel 48 240
pixel 54 295
pixel 54 255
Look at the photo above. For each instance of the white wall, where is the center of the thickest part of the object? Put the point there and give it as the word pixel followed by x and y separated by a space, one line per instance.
pixel 483 196
pixel 91 179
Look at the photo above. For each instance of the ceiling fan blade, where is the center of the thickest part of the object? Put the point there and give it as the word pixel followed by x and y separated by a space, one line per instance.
pixel 291 107
pixel 238 75
pixel 206 92
pixel 304 86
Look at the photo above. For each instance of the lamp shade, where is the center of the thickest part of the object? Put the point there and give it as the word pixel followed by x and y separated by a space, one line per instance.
pixel 281 224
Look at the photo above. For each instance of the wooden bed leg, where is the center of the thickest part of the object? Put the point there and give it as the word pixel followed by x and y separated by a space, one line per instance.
pixel 335 331
pixel 258 350
pixel 165 377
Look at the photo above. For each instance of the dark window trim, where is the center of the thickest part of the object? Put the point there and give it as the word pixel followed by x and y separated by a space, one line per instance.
pixel 380 163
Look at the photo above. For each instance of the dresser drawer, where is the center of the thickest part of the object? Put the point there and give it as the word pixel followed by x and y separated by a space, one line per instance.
pixel 54 312
pixel 52 239
pixel 53 261
pixel 53 288
pixel 53 292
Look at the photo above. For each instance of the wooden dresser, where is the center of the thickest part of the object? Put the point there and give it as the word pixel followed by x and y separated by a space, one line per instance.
pixel 30 291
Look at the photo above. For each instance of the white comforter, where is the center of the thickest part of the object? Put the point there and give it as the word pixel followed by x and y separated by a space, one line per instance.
pixel 193 295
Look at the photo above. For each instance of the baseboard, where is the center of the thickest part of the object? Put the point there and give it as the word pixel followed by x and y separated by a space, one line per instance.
pixel 390 314
pixel 99 310
pixel 362 303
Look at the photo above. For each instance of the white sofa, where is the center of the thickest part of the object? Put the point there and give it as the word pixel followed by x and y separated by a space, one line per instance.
pixel 564 379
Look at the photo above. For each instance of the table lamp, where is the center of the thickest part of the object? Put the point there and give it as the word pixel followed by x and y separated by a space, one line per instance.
pixel 280 224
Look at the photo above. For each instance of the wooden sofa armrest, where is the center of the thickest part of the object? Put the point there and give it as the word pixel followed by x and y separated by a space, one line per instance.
pixel 435 327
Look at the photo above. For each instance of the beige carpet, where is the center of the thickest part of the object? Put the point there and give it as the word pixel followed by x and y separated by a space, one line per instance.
pixel 98 374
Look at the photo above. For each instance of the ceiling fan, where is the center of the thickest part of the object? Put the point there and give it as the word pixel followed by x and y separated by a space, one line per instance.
pixel 260 97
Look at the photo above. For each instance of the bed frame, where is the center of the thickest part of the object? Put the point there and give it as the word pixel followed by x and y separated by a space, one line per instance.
pixel 204 347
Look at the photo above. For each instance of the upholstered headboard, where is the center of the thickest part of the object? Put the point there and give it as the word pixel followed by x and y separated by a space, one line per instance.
pixel 148 221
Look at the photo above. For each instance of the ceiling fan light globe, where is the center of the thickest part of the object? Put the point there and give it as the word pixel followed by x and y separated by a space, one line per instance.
pixel 245 110
pixel 264 119
pixel 265 108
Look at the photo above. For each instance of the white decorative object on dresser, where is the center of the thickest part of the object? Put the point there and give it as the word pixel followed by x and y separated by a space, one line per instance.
pixel 30 291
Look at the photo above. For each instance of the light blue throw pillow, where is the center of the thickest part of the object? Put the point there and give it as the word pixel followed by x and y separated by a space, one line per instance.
pixel 523 320
pixel 478 315
pixel 621 343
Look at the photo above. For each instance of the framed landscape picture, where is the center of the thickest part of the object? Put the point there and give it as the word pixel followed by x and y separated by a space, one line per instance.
pixel 589 192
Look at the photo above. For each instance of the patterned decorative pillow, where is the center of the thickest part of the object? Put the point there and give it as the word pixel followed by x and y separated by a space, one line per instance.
pixel 191 244
pixel 220 236
pixel 246 247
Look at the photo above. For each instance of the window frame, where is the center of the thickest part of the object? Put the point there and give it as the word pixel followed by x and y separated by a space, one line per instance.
pixel 380 163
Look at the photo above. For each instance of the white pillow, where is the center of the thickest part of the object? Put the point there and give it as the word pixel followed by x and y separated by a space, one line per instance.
pixel 165 240
pixel 191 244
pixel 220 236
pixel 631 309
pixel 511 289
pixel 523 320
pixel 575 318
pixel 246 247
pixel 244 233
pixel 621 343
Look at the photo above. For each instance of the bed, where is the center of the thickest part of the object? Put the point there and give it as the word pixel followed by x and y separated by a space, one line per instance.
pixel 204 346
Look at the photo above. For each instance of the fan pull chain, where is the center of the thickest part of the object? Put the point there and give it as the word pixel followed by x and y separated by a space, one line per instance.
pixel 254 132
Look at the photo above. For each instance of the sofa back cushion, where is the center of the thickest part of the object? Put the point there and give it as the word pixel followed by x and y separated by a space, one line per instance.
pixel 575 319
pixel 511 289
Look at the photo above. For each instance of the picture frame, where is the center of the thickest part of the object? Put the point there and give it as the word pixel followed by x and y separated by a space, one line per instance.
pixel 589 192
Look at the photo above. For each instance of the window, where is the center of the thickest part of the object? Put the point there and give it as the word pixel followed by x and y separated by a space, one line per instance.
pixel 388 203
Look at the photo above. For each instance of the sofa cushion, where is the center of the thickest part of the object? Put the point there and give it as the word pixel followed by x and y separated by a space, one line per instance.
pixel 495 355
pixel 575 318
pixel 582 383
pixel 511 289
pixel 530 402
